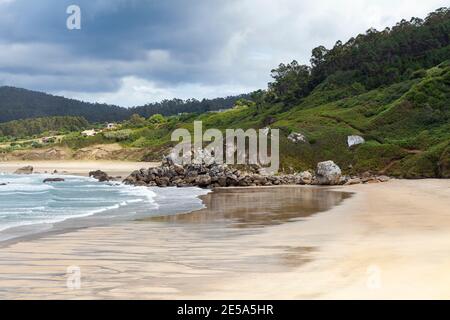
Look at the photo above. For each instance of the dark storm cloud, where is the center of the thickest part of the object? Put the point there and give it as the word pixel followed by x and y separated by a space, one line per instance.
pixel 117 32
pixel 143 50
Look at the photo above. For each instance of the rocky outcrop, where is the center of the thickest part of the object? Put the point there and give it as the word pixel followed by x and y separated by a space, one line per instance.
pixel 100 176
pixel 366 178
pixel 355 140
pixel 328 173
pixel 25 170
pixel 297 137
pixel 216 175
pixel 208 176
pixel 53 180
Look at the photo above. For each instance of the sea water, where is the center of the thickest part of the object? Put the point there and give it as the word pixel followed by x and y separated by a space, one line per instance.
pixel 26 202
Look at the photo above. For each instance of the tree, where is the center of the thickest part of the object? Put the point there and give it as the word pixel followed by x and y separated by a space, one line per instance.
pixel 291 81
pixel 156 118
pixel 136 120
pixel 258 98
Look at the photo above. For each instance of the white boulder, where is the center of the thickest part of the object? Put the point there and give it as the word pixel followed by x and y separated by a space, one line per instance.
pixel 328 173
pixel 355 140
pixel 297 137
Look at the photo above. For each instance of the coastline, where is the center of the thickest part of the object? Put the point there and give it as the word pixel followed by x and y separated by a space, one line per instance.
pixel 388 241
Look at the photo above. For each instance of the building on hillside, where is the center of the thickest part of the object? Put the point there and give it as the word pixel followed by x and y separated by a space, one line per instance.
pixel 111 126
pixel 89 133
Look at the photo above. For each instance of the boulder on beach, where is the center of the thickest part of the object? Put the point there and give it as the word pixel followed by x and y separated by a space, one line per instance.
pixel 306 177
pixel 328 173
pixel 383 178
pixel 352 181
pixel 100 175
pixel 53 180
pixel 25 170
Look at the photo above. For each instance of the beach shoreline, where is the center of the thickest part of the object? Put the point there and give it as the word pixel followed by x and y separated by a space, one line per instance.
pixel 78 167
pixel 387 241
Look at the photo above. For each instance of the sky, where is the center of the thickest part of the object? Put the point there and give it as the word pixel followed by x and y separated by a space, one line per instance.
pixel 133 52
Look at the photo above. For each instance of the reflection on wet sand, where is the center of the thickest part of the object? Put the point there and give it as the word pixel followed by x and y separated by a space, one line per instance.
pixel 258 207
pixel 170 257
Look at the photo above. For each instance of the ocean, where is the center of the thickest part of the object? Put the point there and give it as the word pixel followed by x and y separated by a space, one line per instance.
pixel 28 206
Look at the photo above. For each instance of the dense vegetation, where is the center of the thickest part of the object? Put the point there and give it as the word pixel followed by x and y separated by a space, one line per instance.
pixel 18 104
pixel 37 126
pixel 390 87
pixel 176 106
pixel 368 60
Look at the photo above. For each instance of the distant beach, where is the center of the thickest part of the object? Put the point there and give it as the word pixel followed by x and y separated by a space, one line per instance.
pixel 78 167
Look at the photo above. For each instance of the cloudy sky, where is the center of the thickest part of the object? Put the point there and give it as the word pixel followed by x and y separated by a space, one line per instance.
pixel 131 52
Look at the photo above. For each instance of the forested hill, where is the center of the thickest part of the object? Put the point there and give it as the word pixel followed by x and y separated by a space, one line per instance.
pixel 368 61
pixel 17 103
pixel 176 106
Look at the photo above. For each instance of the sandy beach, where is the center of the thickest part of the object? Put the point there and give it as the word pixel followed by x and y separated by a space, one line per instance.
pixel 77 167
pixel 385 241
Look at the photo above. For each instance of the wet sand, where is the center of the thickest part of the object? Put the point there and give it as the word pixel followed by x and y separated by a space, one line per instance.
pixel 78 167
pixel 387 240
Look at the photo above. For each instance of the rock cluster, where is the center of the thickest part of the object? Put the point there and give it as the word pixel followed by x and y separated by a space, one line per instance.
pixel 216 175
pixel 25 170
pixel 100 176
pixel 297 137
pixel 53 180
pixel 366 177
pixel 209 176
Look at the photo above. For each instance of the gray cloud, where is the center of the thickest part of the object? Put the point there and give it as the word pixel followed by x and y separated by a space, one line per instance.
pixel 130 52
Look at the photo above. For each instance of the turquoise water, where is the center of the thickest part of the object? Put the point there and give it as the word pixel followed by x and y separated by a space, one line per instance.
pixel 26 201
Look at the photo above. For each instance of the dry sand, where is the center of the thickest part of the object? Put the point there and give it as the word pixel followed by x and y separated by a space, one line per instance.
pixel 389 241
pixel 78 167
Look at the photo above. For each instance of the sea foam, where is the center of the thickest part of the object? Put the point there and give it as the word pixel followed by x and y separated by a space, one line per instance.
pixel 25 200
